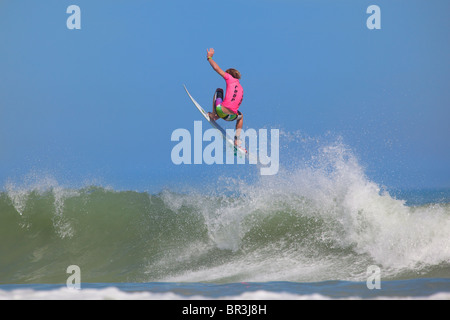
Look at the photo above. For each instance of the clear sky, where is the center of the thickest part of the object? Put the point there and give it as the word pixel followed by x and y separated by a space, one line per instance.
pixel 101 103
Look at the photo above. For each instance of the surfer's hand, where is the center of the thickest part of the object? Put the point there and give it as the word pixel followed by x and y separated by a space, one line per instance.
pixel 213 116
pixel 209 53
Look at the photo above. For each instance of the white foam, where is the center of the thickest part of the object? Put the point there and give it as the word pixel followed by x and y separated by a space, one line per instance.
pixel 113 293
pixel 361 216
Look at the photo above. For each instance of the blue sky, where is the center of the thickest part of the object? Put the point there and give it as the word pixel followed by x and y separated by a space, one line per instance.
pixel 101 103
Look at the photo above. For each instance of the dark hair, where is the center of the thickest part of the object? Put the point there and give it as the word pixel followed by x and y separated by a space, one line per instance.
pixel 234 73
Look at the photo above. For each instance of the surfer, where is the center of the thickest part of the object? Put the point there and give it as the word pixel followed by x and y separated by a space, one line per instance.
pixel 227 108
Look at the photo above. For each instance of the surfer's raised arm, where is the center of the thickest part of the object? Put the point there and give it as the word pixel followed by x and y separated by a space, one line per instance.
pixel 214 65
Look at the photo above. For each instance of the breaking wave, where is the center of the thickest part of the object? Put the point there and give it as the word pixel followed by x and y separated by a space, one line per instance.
pixel 322 220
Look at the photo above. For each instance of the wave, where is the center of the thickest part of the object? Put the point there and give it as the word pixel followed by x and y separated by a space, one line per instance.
pixel 323 220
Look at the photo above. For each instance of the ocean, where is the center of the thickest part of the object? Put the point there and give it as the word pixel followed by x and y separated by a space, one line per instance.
pixel 322 231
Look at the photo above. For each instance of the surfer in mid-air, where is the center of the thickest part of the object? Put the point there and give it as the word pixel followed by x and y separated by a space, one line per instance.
pixel 227 108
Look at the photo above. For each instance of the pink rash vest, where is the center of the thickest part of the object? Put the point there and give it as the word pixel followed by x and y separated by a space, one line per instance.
pixel 234 93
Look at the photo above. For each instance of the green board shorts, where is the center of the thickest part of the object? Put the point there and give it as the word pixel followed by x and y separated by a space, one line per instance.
pixel 226 116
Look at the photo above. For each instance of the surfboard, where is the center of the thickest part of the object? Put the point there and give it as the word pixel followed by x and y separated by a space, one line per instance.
pixel 238 150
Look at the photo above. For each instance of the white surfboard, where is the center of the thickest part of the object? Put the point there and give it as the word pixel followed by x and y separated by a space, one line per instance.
pixel 239 151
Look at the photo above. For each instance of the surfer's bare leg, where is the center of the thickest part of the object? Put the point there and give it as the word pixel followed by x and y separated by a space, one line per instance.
pixel 239 124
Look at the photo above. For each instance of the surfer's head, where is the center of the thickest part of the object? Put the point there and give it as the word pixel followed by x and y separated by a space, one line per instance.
pixel 234 73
